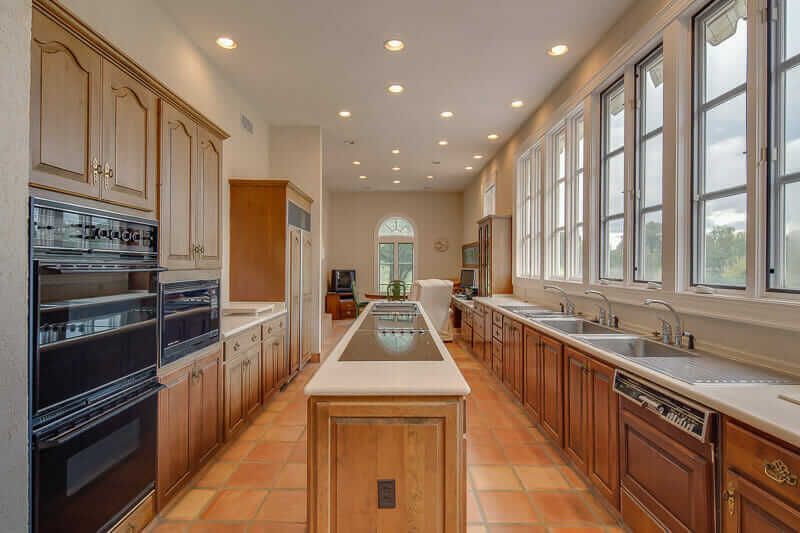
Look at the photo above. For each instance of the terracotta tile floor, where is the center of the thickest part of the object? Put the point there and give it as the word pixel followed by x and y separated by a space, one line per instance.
pixel 518 483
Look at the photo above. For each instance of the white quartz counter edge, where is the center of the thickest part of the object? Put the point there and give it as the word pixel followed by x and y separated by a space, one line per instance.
pixel 233 324
pixel 754 404
pixel 387 378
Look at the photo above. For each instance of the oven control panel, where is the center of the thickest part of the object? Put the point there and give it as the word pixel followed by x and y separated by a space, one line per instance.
pixel 63 229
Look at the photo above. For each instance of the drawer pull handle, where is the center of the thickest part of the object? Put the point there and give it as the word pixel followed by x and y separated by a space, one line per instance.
pixel 778 472
pixel 729 496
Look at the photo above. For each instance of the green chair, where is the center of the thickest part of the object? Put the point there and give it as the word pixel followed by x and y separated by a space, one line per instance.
pixel 396 291
pixel 359 304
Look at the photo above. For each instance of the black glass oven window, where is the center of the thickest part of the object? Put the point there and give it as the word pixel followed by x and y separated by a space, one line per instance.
pixel 189 314
pixel 93 461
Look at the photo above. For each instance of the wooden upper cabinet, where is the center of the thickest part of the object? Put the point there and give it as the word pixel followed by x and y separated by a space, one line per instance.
pixel 208 219
pixel 178 154
pixel 532 374
pixel 129 141
pixel 65 111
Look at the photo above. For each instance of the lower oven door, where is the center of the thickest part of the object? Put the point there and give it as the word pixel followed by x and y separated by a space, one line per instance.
pixel 89 473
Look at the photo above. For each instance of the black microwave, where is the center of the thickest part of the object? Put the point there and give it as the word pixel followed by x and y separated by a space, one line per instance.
pixel 189 317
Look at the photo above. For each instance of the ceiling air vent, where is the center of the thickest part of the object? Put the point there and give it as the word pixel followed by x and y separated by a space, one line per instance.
pixel 246 124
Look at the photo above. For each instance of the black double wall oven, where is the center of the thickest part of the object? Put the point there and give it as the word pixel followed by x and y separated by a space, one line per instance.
pixel 94 350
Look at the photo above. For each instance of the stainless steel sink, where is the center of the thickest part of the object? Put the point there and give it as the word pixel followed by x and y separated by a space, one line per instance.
pixel 634 347
pixel 577 326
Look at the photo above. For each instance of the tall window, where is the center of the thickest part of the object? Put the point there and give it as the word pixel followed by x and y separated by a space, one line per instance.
pixel 395 252
pixel 576 194
pixel 720 132
pixel 536 211
pixel 524 207
pixel 489 200
pixel 784 191
pixel 612 183
pixel 558 237
pixel 649 147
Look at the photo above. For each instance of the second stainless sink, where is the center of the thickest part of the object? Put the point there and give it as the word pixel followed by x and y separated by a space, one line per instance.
pixel 576 326
pixel 630 346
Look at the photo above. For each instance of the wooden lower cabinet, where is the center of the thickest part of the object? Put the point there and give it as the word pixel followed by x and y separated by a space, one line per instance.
pixel 189 423
pixel 513 356
pixel 761 483
pixel 532 374
pixel 273 352
pixel 242 388
pixel 576 407
pixel 552 389
pixel 415 443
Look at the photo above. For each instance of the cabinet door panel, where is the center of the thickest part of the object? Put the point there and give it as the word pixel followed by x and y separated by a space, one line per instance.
pixel 518 366
pixel 532 395
pixel 174 458
pixel 575 407
pixel 253 381
pixel 295 300
pixel 234 394
pixel 129 141
pixel 207 213
pixel 205 409
pixel 603 431
pixel 65 110
pixel 552 389
pixel 755 510
pixel 178 153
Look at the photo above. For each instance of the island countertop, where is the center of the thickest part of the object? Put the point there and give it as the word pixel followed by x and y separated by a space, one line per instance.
pixel 387 378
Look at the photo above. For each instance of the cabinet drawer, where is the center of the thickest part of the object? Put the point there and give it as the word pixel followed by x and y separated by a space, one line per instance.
pixel 497 332
pixel 769 464
pixel 497 319
pixel 239 343
pixel 273 327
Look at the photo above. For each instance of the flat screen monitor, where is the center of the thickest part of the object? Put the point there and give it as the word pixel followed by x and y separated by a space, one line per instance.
pixel 342 280
pixel 469 278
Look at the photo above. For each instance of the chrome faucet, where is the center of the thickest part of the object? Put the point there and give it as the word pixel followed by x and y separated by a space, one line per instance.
pixel 568 306
pixel 672 334
pixel 606 315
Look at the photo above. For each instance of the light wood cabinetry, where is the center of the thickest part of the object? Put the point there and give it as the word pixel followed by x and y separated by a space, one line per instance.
pixel 190 185
pixel 273 354
pixel 189 423
pixel 307 329
pixel 494 255
pixel 761 483
pixel 552 389
pixel 417 443
pixel 242 379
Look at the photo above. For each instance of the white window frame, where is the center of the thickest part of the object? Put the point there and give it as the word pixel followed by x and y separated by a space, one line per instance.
pixel 537 203
pixel 604 217
pixel 395 240
pixel 554 182
pixel 523 215
pixel 576 163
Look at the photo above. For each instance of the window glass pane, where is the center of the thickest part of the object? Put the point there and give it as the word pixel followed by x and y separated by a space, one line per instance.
pixel 724 261
pixel 615 117
pixel 579 143
pixel 559 253
pixel 651 171
pixel 579 197
pixel 615 184
pixel 615 241
pixel 396 226
pixel 650 247
pixel 560 199
pixel 654 95
pixel 577 267
pixel 791 237
pixel 792 28
pixel 792 120
pixel 725 145
pixel 725 49
pixel 386 253
pixel 405 253
pixel 561 155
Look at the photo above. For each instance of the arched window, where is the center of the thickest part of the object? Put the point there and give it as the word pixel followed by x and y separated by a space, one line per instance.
pixel 395 252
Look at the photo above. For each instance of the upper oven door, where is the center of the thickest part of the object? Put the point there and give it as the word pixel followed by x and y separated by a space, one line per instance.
pixel 93 326
pixel 190 317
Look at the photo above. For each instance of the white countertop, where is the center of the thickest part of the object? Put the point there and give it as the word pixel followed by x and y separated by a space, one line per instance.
pixel 233 324
pixel 757 405
pixel 387 378
pixel 251 308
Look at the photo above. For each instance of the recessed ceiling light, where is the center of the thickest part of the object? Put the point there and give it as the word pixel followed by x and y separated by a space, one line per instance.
pixel 517 103
pixel 396 182
pixel 558 50
pixel 443 142
pixel 394 45
pixel 395 168
pixel 446 114
pixel 362 177
pixel 493 136
pixel 226 42
pixel 396 151
pixel 467 167
pixel 477 156
pixel 344 113
pixel 429 177
pixel 395 88
pixel 356 163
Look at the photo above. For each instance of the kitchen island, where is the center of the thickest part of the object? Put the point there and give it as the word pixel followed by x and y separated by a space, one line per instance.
pixel 386 427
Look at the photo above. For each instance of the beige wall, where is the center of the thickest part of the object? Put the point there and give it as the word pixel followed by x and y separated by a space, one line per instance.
pixel 296 154
pixel 15 43
pixel 473 210
pixel 144 31
pixel 354 220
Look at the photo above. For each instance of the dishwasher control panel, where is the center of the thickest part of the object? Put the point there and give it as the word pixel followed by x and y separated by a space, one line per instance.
pixel 680 412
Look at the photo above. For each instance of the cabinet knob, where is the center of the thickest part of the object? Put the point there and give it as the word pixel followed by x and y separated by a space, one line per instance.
pixel 269 330
pixel 236 346
pixel 96 170
pixel 253 338
pixel 729 496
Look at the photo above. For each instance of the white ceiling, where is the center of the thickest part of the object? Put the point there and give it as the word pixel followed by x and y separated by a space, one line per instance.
pixel 304 60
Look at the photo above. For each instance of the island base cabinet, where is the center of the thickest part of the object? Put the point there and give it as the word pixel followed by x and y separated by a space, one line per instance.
pixel 386 464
